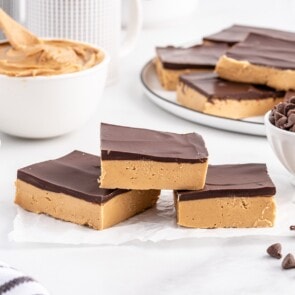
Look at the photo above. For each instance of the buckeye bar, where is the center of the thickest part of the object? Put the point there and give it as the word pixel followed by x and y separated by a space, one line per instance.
pixel 238 33
pixel 67 189
pixel 240 195
pixel 260 60
pixel 207 93
pixel 173 61
pixel 135 158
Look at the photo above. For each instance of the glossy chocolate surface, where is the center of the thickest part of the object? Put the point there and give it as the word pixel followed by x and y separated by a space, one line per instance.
pixel 265 51
pixel 216 88
pixel 241 180
pixel 75 174
pixel 196 57
pixel 126 143
pixel 238 33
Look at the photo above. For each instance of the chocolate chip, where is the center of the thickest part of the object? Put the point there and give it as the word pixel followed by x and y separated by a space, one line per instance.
pixel 288 262
pixel 281 108
pixel 272 119
pixel 281 122
pixel 291 112
pixel 275 250
pixel 283 115
pixel 278 116
pixel 289 107
pixel 292 227
pixel 291 121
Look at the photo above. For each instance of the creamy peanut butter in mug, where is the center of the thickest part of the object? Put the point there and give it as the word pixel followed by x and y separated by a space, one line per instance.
pixel 26 55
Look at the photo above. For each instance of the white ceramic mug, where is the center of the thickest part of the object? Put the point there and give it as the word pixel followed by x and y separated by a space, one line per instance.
pixel 93 21
pixel 11 7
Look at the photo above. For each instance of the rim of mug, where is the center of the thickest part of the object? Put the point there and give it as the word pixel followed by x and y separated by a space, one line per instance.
pixel 103 63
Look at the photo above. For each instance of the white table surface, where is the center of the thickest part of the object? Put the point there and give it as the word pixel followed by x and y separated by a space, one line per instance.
pixel 195 266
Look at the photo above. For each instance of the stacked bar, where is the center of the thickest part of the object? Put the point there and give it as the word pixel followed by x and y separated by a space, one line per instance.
pixel 212 95
pixel 135 158
pixel 67 189
pixel 262 60
pixel 238 195
pixel 171 62
pixel 253 56
pixel 135 165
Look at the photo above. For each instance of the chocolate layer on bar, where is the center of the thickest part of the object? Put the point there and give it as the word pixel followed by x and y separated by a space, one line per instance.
pixel 196 57
pixel 75 174
pixel 242 180
pixel 238 33
pixel 126 143
pixel 265 51
pixel 213 87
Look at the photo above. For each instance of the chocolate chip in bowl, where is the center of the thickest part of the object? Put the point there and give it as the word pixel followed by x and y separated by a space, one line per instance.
pixel 280 131
pixel 283 115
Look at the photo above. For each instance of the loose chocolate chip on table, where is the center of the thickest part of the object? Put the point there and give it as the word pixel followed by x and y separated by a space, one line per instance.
pixel 275 250
pixel 288 262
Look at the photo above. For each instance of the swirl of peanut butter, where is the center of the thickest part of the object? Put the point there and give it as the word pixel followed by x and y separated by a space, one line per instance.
pixel 26 55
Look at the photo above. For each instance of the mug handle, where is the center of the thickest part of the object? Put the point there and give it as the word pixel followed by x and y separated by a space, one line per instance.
pixel 133 27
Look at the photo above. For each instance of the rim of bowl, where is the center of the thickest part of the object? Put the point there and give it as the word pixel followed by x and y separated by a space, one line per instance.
pixel 270 125
pixel 103 63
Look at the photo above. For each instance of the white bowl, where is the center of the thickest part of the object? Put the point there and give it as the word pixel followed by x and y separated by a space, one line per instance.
pixel 48 106
pixel 282 143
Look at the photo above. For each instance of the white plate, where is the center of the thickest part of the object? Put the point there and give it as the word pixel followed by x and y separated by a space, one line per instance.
pixel 167 101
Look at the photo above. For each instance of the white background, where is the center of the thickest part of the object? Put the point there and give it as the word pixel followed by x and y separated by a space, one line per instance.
pixel 195 266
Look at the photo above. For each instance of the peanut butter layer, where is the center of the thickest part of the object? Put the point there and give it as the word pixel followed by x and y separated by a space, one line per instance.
pixel 260 60
pixel 67 189
pixel 79 211
pixel 173 61
pixel 211 95
pixel 238 33
pixel 169 78
pixel 136 158
pixel 239 195
pixel 225 212
pixel 144 174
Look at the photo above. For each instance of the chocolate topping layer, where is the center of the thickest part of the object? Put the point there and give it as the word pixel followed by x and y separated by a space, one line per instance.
pixel 283 115
pixel 126 143
pixel 75 174
pixel 243 180
pixel 238 33
pixel 265 51
pixel 196 57
pixel 216 88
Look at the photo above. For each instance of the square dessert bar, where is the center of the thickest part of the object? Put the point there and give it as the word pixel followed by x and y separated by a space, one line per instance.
pixel 135 158
pixel 67 189
pixel 207 93
pixel 173 61
pixel 238 195
pixel 238 33
pixel 260 59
